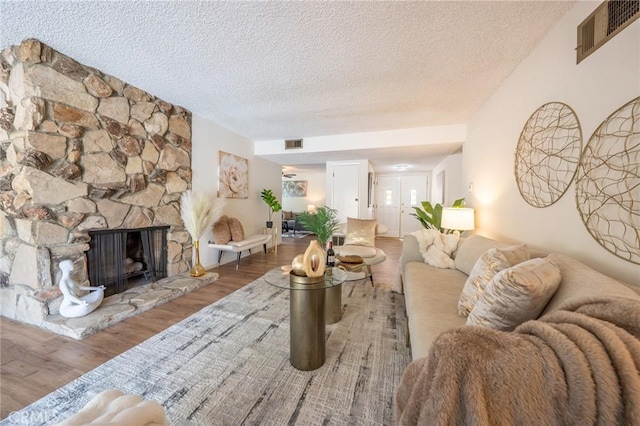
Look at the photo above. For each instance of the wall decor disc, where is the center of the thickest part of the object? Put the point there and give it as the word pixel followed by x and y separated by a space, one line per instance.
pixel 608 183
pixel 547 154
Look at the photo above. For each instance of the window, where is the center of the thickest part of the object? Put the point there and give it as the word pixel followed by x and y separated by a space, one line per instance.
pixel 388 197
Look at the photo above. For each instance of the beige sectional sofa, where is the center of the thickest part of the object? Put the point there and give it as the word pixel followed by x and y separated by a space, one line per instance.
pixel 431 294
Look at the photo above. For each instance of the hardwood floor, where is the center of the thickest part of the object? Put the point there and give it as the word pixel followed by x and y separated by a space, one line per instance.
pixel 35 362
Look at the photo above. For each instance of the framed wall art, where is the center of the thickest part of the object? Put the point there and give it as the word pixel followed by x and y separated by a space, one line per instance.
pixel 547 154
pixel 608 183
pixel 294 188
pixel 233 176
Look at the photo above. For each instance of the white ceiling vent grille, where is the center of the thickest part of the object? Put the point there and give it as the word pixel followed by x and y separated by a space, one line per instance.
pixel 604 23
pixel 293 144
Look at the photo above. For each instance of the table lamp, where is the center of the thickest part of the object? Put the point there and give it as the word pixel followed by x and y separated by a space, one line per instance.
pixel 457 219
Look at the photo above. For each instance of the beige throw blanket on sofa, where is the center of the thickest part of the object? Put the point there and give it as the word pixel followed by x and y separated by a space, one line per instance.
pixel 576 366
pixel 437 248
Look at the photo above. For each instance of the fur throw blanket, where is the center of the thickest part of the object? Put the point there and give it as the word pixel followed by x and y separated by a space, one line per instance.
pixel 112 407
pixel 437 248
pixel 575 366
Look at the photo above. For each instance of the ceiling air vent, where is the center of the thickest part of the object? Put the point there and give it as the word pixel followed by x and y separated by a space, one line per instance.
pixel 293 143
pixel 606 21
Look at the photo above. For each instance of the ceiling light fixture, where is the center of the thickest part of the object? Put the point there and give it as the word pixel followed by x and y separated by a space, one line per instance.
pixel 402 167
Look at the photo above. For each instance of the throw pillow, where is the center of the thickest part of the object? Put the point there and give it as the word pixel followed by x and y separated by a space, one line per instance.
pixel 516 295
pixel 361 232
pixel 287 215
pixel 237 231
pixel 490 263
pixel 221 231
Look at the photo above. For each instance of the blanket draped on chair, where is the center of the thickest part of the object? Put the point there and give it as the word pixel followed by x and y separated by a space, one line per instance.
pixel 579 365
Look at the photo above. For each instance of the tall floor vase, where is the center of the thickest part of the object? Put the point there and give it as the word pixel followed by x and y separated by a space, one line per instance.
pixel 197 270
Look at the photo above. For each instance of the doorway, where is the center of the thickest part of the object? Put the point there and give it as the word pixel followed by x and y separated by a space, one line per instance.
pixel 345 184
pixel 396 196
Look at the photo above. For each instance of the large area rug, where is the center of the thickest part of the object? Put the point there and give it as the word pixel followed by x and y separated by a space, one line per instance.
pixel 229 365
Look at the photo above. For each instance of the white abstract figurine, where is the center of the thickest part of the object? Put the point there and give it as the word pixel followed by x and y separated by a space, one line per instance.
pixel 73 306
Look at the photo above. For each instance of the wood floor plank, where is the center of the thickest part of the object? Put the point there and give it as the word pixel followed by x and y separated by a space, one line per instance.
pixel 35 362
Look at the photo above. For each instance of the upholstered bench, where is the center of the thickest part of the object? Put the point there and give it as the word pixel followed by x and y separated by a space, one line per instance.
pixel 252 241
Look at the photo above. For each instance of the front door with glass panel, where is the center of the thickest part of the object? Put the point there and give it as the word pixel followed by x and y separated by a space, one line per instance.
pixel 414 192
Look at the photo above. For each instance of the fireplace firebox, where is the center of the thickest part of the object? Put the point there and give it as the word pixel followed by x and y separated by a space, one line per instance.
pixel 119 257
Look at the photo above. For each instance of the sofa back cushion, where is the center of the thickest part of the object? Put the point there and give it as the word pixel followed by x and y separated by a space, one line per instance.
pixel 579 280
pixel 287 215
pixel 516 295
pixel 361 232
pixel 470 249
pixel 488 265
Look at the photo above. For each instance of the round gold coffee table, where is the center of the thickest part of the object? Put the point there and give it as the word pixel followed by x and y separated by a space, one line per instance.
pixel 307 313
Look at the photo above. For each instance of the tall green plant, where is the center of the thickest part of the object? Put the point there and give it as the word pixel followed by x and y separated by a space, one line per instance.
pixel 431 216
pixel 272 202
pixel 323 222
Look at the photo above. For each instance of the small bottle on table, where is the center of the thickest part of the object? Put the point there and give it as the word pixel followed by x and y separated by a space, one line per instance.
pixel 331 255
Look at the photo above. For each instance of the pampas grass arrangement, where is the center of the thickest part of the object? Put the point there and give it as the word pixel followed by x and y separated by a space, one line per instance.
pixel 199 212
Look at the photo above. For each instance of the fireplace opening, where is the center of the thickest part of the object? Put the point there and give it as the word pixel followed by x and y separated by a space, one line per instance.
pixel 121 259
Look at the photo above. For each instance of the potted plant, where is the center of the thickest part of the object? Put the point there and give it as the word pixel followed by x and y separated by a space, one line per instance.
pixel 431 216
pixel 323 222
pixel 272 202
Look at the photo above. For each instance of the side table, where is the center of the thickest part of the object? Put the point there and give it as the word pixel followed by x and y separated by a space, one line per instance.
pixel 273 231
pixel 307 313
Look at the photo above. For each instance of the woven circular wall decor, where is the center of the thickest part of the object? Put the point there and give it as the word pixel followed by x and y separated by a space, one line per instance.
pixel 608 183
pixel 547 154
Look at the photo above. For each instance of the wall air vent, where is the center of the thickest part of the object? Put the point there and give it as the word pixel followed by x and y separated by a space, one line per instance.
pixel 293 144
pixel 604 23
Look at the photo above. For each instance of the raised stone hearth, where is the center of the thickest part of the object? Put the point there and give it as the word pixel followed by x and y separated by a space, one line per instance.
pixel 80 151
pixel 125 305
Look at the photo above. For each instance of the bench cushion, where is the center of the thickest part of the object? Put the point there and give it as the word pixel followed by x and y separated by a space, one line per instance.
pixel 246 244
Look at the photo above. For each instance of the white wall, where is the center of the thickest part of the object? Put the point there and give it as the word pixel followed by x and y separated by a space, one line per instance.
pixel 364 211
pixel 454 186
pixel 433 135
pixel 595 88
pixel 209 138
pixel 316 192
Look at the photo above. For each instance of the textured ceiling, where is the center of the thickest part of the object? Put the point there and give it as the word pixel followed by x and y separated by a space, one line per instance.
pixel 276 70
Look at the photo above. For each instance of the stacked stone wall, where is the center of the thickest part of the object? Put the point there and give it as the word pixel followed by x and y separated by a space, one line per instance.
pixel 80 150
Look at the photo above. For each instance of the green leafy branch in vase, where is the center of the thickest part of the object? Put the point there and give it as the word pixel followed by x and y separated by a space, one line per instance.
pixel 431 216
pixel 323 222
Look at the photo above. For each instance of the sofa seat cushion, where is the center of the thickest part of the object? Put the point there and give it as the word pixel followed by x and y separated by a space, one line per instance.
pixel 579 280
pixel 431 298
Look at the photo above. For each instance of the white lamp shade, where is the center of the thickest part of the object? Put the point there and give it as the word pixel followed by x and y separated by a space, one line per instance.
pixel 457 218
pixel 311 208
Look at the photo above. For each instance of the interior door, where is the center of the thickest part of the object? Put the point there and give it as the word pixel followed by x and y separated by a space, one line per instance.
pixel 414 191
pixel 388 204
pixel 344 189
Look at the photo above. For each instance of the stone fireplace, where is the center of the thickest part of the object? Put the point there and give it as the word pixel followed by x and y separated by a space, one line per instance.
pixel 123 258
pixel 82 153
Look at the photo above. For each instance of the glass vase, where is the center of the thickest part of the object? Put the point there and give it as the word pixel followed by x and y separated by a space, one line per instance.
pixel 197 270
